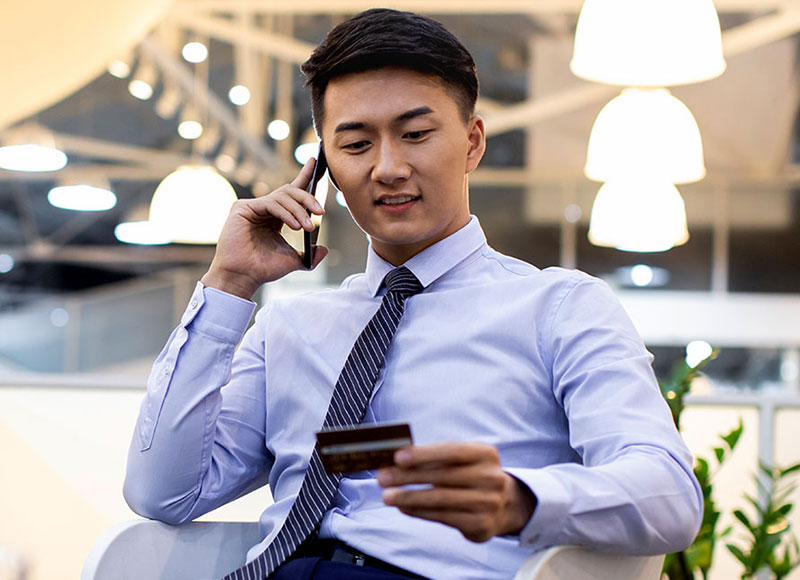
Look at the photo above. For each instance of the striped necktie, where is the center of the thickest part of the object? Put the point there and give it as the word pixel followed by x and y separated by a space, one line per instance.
pixel 347 407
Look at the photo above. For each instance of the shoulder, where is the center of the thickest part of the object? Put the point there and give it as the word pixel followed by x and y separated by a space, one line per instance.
pixel 311 303
pixel 558 280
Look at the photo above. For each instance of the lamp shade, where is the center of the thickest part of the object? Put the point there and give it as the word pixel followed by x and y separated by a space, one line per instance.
pixel 645 133
pixel 31 147
pixel 648 42
pixel 638 216
pixel 191 204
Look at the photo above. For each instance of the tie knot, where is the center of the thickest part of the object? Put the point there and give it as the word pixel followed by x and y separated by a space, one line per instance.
pixel 402 281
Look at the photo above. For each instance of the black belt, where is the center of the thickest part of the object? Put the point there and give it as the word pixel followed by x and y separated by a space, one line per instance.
pixel 337 551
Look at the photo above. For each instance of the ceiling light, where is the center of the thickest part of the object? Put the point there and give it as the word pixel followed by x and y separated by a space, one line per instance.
pixel 278 129
pixel 190 129
pixel 191 204
pixel 645 134
pixel 697 351
pixel 239 95
pixel 638 216
pixel 306 151
pixel 82 197
pixel 641 276
pixel 137 229
pixel 653 43
pixel 6 263
pixel 140 89
pixel 194 52
pixel 31 147
pixel 143 233
pixel 143 80
pixel 119 68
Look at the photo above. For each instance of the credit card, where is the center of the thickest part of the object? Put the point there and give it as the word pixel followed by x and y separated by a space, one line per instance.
pixel 362 447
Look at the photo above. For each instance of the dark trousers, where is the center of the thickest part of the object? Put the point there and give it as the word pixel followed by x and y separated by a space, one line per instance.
pixel 318 569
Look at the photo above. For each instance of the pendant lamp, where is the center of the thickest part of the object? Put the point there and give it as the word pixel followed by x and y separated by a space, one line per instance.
pixel 638 216
pixel 645 134
pixel 648 42
pixel 31 148
pixel 191 204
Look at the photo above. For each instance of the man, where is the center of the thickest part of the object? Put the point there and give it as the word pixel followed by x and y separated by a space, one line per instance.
pixel 536 417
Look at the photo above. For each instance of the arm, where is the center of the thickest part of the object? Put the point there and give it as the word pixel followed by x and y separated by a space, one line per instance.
pixel 634 492
pixel 199 439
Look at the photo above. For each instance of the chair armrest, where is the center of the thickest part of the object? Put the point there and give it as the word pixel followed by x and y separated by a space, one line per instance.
pixel 570 562
pixel 144 549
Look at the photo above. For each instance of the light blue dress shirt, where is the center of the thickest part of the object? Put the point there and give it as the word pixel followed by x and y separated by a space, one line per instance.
pixel 543 364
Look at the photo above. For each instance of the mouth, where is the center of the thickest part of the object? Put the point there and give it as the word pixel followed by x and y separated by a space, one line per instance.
pixel 397 200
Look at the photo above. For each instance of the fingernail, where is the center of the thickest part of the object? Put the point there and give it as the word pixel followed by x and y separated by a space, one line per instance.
pixel 402 456
pixel 389 495
pixel 307 223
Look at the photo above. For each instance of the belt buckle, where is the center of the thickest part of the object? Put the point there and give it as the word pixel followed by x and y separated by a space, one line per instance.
pixel 359 559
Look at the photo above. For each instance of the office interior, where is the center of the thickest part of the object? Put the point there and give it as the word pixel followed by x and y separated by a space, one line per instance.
pixel 83 314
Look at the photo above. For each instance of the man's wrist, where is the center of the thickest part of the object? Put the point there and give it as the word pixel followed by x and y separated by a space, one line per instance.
pixel 240 286
pixel 521 507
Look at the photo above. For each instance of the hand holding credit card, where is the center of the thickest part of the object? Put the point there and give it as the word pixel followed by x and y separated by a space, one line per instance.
pixel 362 447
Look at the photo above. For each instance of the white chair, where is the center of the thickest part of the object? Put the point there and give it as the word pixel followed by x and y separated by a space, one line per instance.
pixel 149 550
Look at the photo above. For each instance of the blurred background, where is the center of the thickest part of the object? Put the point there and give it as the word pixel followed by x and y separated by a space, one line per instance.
pixel 91 282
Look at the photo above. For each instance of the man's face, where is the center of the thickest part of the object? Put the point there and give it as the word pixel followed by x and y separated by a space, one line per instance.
pixel 400 151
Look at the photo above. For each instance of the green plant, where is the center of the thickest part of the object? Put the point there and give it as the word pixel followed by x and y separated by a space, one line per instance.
pixel 769 530
pixel 699 556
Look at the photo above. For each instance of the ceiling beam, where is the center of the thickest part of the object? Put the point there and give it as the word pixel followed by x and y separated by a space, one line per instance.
pixel 110 150
pixel 280 46
pixel 121 254
pixel 111 172
pixel 434 6
pixel 217 110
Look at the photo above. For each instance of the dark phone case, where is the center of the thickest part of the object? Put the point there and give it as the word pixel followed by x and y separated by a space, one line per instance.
pixel 310 238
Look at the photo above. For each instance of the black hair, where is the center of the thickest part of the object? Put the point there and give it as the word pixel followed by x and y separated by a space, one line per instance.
pixel 380 38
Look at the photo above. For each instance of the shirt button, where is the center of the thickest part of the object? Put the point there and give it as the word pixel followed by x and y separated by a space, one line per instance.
pixel 193 305
pixel 166 372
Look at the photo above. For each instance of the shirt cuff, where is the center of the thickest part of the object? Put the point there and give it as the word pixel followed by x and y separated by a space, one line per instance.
pixel 218 314
pixel 552 507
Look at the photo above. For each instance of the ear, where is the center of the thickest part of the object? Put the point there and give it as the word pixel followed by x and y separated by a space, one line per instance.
pixel 477 143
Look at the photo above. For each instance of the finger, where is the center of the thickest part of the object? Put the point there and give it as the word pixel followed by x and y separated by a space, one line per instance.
pixel 273 209
pixel 474 527
pixel 446 453
pixel 304 177
pixel 485 477
pixel 443 499
pixel 295 209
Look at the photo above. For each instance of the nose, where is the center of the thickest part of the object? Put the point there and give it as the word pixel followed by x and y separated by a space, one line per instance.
pixel 390 166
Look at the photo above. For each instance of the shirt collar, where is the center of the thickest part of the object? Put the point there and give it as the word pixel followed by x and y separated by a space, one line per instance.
pixel 432 262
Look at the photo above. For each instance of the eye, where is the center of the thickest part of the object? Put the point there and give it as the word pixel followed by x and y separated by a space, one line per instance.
pixel 356 145
pixel 417 135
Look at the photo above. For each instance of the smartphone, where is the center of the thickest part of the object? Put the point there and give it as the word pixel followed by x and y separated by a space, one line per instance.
pixel 310 238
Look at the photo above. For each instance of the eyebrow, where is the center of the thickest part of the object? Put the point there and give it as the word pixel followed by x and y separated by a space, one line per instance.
pixel 411 114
